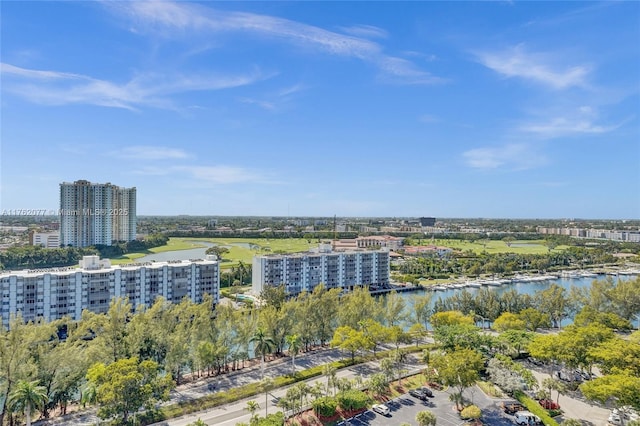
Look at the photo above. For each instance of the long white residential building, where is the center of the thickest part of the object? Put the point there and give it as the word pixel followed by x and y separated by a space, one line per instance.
pixel 54 293
pixel 304 271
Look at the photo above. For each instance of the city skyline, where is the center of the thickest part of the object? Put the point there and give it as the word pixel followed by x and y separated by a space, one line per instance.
pixel 497 110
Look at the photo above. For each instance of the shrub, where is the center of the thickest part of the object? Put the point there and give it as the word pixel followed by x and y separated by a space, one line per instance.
pixel 352 400
pixel 325 406
pixel 471 412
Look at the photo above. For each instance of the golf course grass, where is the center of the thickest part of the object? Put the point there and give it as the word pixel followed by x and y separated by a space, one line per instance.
pixel 243 249
pixel 240 249
pixel 495 246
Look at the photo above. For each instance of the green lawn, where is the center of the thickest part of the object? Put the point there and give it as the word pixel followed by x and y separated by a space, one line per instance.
pixel 240 249
pixel 492 246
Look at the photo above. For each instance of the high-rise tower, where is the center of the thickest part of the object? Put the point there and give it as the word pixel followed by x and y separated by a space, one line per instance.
pixel 94 213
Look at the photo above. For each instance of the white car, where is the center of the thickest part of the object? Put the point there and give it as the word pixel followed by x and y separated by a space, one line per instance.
pixel 526 418
pixel 381 409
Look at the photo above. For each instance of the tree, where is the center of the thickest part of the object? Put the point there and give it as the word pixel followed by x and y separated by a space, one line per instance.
pixel 263 345
pixel 252 407
pixel 426 418
pixel 417 332
pixel 554 385
pixel 374 332
pixel 508 321
pixel 266 384
pixel 348 339
pixel 471 412
pixel 274 295
pixel 459 369
pixel 26 398
pixel 422 309
pixel 293 341
pixel 329 371
pixel 554 303
pixel 617 355
pixel 125 386
pixel 217 250
pixel 620 389
pixel 440 319
pixel 534 319
pixel 378 384
pixel 516 339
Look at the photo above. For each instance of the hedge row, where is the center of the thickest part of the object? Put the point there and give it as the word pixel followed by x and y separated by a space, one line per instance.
pixel 533 406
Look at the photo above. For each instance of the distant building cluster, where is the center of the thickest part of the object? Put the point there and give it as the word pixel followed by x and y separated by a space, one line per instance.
pixel 94 213
pixel 376 241
pixel 628 236
pixel 54 293
pixel 304 271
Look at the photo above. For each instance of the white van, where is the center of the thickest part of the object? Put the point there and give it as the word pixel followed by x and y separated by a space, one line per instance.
pixel 526 418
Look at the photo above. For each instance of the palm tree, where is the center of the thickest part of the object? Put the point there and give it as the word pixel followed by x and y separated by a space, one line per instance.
pixel 89 394
pixel 252 407
pixel 266 384
pixel 27 397
pixel 295 344
pixel 263 345
pixel 330 371
pixel 426 418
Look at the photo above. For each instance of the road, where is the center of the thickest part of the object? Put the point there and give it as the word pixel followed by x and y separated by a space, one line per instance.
pixel 233 413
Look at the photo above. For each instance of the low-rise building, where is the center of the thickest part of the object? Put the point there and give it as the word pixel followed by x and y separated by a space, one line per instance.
pixel 58 292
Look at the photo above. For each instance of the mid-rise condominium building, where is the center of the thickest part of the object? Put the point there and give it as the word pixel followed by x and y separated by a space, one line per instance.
pixel 304 271
pixel 54 293
pixel 94 213
pixel 44 239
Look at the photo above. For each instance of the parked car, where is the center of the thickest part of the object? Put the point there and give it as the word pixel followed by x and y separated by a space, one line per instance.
pixel 512 407
pixel 569 376
pixel 211 387
pixel 527 418
pixel 381 409
pixel 628 412
pixel 548 404
pixel 416 393
pixel 614 419
pixel 425 390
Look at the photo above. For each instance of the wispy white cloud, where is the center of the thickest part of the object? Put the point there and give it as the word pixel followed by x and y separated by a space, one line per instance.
pixel 539 67
pixel 149 153
pixel 276 100
pixel 510 156
pixel 150 89
pixel 398 70
pixel 581 121
pixel 222 174
pixel 562 126
pixel 367 31
pixel 217 174
pixel 174 20
pixel 428 118
pixel 269 106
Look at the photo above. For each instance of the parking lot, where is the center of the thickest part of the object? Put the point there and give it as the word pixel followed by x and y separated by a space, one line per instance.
pixel 404 409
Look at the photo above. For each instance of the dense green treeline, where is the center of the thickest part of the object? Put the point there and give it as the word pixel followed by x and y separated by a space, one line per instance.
pixel 471 264
pixel 34 257
pixel 123 361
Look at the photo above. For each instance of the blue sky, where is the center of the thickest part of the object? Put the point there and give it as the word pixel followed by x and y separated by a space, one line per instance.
pixel 446 109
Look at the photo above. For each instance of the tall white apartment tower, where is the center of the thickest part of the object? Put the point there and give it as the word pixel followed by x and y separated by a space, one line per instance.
pixel 95 213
